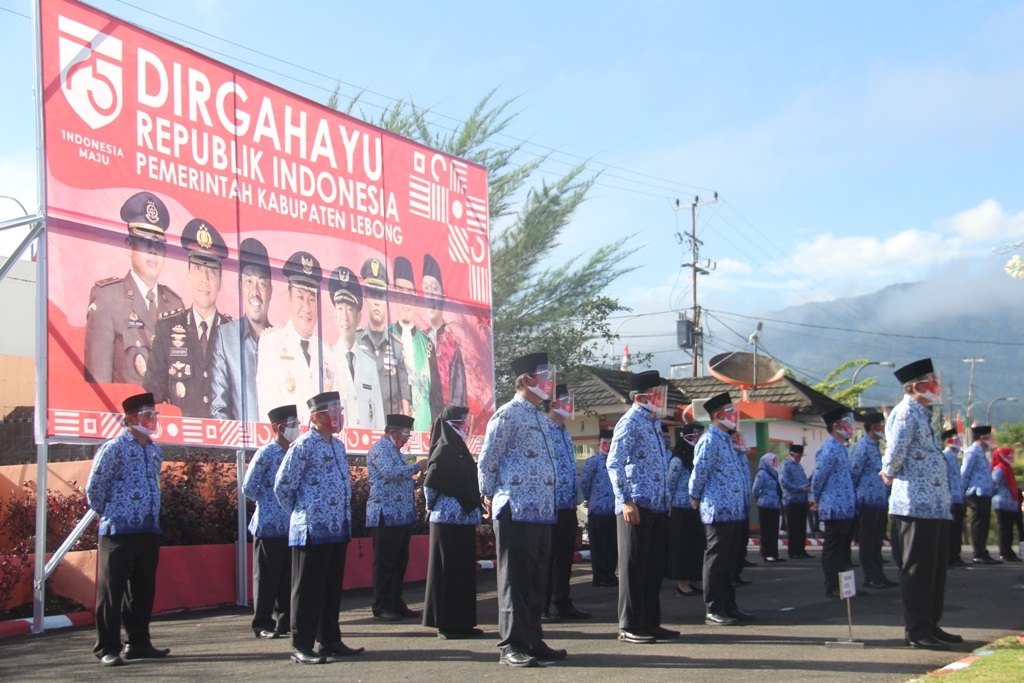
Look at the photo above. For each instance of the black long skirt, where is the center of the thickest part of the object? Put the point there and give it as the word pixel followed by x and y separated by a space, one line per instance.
pixel 450 600
pixel 686 544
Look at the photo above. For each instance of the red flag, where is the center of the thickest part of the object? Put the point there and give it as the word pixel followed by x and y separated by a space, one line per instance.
pixel 625 359
pixel 959 423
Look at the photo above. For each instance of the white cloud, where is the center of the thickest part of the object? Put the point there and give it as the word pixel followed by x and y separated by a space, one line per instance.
pixel 986 221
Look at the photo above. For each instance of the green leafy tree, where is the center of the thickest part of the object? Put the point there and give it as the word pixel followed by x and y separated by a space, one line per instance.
pixel 840 389
pixel 541 300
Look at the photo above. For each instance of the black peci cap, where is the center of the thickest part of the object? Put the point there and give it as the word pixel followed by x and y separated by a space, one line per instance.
pixel 320 402
pixel 641 381
pixel 399 421
pixel 134 404
pixel 915 370
pixel 717 402
pixel 524 365
pixel 282 413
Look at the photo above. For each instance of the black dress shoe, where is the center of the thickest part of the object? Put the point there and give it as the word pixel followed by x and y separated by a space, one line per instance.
pixel 339 649
pixel 572 613
pixel 662 633
pixel 548 617
pixel 460 634
pixel 715 619
pixel 878 584
pixel 957 562
pixel 985 560
pixel 773 560
pixel 689 592
pixel 387 616
pixel 927 643
pixel 1009 558
pixel 306 657
pixel 740 615
pixel 145 652
pixel 267 634
pixel 406 612
pixel 517 659
pixel 939 634
pixel 546 653
pixel 112 659
pixel 635 638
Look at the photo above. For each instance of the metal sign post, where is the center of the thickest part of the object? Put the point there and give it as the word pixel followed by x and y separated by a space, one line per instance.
pixel 847 589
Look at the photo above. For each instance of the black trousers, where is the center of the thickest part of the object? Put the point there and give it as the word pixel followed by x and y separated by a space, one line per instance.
pixel 125 587
pixel 563 550
pixel 1007 521
pixel 523 551
pixel 271 584
pixel 449 602
pixel 838 536
pixel 956 531
pixel 604 551
pixel 796 528
pixel 923 576
pixel 390 559
pixel 871 522
pixel 895 541
pixel 981 519
pixel 741 548
pixel 685 561
pixel 768 518
pixel 317 574
pixel 719 566
pixel 641 568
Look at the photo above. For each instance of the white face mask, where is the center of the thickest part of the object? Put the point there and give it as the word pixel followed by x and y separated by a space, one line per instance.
pixel 653 409
pixel 145 431
pixel 291 433
pixel 538 392
pixel 929 396
pixel 727 423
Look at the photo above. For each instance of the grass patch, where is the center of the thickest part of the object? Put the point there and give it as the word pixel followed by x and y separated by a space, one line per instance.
pixel 1005 664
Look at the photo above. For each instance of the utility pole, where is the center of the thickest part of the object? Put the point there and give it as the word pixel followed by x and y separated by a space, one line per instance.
pixel 696 269
pixel 970 387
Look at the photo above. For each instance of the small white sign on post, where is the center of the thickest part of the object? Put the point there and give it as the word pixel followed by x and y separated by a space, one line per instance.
pixel 847 584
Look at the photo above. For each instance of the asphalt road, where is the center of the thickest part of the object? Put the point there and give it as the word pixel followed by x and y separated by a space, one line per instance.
pixel 794 622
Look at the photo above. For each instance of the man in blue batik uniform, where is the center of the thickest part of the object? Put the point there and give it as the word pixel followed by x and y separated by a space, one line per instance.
pixel 719 488
pixel 390 514
pixel 124 490
pixel 834 497
pixel 951 443
pixel 638 468
pixel 313 486
pixel 976 474
pixel 920 500
pixel 271 557
pixel 599 496
pixel 563 532
pixel 872 504
pixel 795 487
pixel 517 475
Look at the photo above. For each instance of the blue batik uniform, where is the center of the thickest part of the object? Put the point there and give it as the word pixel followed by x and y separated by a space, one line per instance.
pixel 956 486
pixel 717 481
pixel 447 510
pixel 678 483
pixel 1002 499
pixel 269 520
pixel 766 488
pixel 314 486
pixel 976 472
pixel 865 465
pixel 392 499
pixel 832 484
pixel 565 465
pixel 794 482
pixel 638 462
pixel 920 486
pixel 517 463
pixel 124 486
pixel 596 486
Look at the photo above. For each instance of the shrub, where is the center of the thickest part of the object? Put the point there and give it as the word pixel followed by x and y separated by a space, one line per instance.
pixel 198 499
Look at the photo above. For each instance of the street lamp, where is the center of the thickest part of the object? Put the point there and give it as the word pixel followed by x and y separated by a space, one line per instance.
pixel 988 411
pixel 883 363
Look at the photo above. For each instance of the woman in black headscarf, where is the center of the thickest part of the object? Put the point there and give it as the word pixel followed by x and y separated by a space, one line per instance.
pixel 453 498
pixel 686 533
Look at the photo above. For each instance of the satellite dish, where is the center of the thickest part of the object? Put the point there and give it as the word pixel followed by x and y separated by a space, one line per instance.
pixel 746 370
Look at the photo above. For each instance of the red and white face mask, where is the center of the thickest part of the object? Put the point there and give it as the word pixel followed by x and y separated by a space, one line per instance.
pixel 148 422
pixel 693 438
pixel 954 441
pixel 542 381
pixel 728 416
pixel 564 405
pixel 605 446
pixel 335 415
pixel 655 400
pixel 929 389
pixel 844 427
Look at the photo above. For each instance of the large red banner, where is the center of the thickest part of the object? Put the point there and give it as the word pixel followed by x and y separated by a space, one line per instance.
pixel 233 247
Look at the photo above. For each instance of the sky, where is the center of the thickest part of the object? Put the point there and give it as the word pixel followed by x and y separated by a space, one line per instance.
pixel 852 145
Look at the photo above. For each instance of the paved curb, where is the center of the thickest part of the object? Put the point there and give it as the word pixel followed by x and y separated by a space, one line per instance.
pixel 966 662
pixel 17 627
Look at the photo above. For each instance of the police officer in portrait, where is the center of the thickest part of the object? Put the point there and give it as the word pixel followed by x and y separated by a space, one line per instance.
pixel 352 371
pixel 180 368
pixel 123 312
pixel 290 364
pixel 380 342
pixel 235 351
